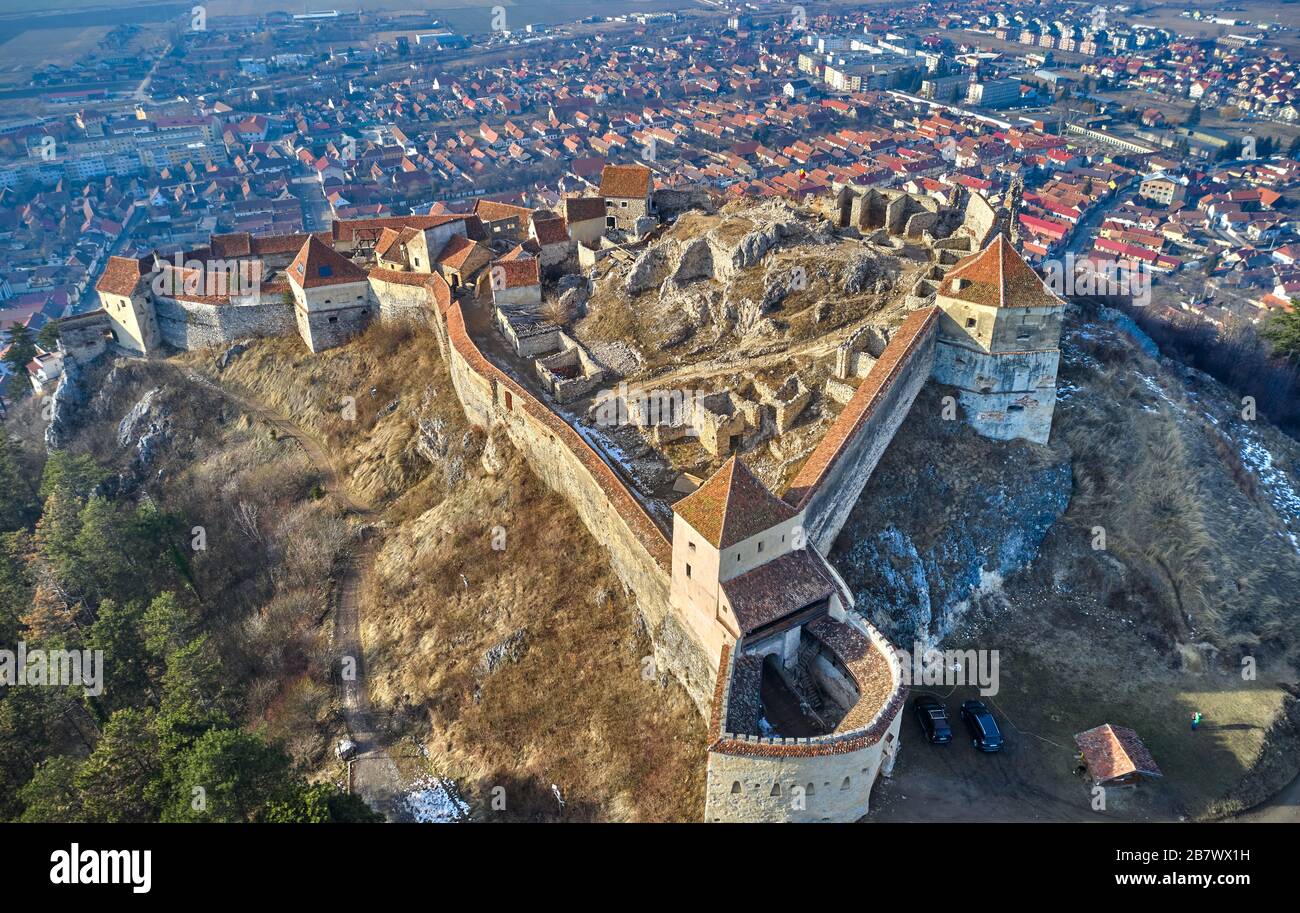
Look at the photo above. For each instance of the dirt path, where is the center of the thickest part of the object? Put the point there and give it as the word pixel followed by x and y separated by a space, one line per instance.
pixel 373 774
pixel 810 349
pixel 1284 808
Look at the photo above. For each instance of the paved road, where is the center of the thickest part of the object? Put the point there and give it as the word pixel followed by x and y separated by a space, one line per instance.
pixel 374 775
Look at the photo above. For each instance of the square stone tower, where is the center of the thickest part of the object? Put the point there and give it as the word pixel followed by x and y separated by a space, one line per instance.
pixel 742 571
pixel 998 343
pixel 331 295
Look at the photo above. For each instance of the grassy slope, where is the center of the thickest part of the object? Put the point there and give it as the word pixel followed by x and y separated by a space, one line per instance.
pixel 574 709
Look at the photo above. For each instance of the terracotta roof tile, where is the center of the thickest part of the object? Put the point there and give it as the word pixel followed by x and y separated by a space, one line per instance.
pixel 1112 752
pixel 317 265
pixel 625 181
pixel 997 276
pixel 732 506
pixel 776 589
pixel 584 209
pixel 121 274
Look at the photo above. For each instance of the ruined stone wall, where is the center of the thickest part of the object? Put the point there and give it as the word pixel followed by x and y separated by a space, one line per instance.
pixel 196 325
pixel 980 219
pixel 639 551
pixel 830 481
pixel 400 296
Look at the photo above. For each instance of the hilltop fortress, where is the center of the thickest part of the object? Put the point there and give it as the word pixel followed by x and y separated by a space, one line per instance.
pixel 803 696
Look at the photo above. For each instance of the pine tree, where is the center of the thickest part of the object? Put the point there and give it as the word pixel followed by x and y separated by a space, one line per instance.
pixel 229 775
pixel 1283 333
pixel 50 618
pixel 51 795
pixel 118 632
pixel 22 347
pixel 17 504
pixel 121 780
pixel 48 337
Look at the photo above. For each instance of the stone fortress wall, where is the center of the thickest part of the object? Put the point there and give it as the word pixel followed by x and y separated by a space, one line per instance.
pixel 828 778
pixel 833 476
pixel 191 324
pixel 640 552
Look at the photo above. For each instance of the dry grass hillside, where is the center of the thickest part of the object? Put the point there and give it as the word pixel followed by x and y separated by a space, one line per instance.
pixel 519 667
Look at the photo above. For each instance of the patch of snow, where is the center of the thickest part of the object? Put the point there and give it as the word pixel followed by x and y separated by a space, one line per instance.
pixel 1277 483
pixel 435 800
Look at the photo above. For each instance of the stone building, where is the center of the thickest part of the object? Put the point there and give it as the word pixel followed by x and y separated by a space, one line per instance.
pixel 730 537
pixel 809 695
pixel 998 343
pixel 123 289
pixel 627 190
pixel 331 295
pixel 585 217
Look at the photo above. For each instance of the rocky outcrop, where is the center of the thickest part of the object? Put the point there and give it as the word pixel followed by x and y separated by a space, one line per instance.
pixel 226 357
pixel 145 428
pixel 914 567
pixel 65 407
pixel 720 254
pixel 651 268
pixel 864 273
pixel 496 450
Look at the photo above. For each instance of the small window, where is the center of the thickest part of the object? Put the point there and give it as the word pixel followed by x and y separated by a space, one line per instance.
pixel 688 570
pixel 760 545
pixel 737 556
pixel 735 787
pixel 333 320
pixel 691 545
pixel 970 322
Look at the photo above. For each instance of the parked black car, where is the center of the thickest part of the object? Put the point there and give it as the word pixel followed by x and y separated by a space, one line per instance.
pixel 933 717
pixel 984 732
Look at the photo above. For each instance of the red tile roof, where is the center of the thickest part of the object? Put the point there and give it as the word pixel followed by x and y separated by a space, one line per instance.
pixel 776 589
pixel 732 506
pixel 625 181
pixel 317 265
pixel 122 273
pixel 583 209
pixel 1113 752
pixel 997 276
pixel 515 273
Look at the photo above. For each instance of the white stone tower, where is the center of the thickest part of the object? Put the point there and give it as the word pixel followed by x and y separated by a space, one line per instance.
pixel 999 343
